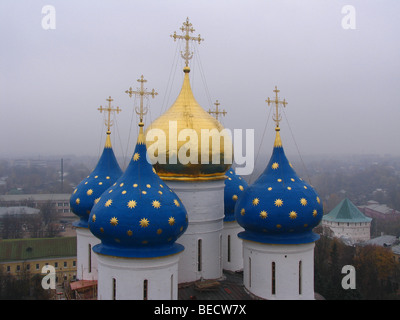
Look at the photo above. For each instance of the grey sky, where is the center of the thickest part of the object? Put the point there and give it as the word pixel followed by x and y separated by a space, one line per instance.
pixel 342 85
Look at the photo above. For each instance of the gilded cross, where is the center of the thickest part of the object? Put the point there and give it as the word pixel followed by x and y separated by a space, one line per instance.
pixel 217 112
pixel 109 109
pixel 187 29
pixel 277 118
pixel 142 92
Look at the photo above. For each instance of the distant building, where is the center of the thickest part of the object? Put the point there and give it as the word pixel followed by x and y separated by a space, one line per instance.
pixel 60 201
pixel 348 222
pixel 374 209
pixel 387 241
pixel 18 256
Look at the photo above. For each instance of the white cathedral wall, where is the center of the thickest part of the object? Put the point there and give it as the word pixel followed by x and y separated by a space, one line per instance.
pixel 294 270
pixel 86 267
pixel 204 202
pixel 138 279
pixel 357 231
pixel 232 251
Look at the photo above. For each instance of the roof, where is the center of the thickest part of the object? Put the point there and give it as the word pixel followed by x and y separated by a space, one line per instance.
pixel 36 197
pixel 346 211
pixel 18 210
pixel 37 248
pixel 279 207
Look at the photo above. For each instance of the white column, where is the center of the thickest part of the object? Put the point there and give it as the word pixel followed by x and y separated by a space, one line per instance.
pixel 232 251
pixel 278 271
pixel 86 265
pixel 204 202
pixel 138 278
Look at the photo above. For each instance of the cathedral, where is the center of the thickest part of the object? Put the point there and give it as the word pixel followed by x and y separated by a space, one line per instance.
pixel 180 213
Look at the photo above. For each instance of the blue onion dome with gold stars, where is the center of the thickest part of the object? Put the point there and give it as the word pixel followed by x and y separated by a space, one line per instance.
pixel 234 187
pixel 106 172
pixel 139 216
pixel 279 207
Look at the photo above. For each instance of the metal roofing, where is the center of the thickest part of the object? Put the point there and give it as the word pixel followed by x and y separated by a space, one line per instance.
pixel 37 248
pixel 346 211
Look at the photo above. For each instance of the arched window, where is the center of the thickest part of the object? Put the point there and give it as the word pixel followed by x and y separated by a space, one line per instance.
pixel 300 276
pixel 145 289
pixel 229 248
pixel 90 258
pixel 199 255
pixel 273 284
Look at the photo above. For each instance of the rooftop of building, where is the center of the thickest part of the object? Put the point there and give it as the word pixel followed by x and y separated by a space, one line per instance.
pixel 37 248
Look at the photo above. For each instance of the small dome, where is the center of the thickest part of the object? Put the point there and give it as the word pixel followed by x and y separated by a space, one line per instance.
pixel 234 187
pixel 184 119
pixel 106 172
pixel 279 207
pixel 139 216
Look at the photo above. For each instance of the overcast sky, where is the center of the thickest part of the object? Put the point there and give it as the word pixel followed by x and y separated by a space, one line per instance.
pixel 342 85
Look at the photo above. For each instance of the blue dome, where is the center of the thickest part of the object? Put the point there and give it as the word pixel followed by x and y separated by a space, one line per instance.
pixel 279 207
pixel 234 187
pixel 139 216
pixel 106 172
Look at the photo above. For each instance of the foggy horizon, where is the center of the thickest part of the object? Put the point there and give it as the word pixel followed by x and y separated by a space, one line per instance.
pixel 341 84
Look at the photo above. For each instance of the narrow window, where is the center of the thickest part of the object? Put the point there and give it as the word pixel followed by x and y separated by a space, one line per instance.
pixel 114 288
pixel 145 289
pixel 249 272
pixel 300 276
pixel 90 258
pixel 199 255
pixel 273 288
pixel 172 286
pixel 229 248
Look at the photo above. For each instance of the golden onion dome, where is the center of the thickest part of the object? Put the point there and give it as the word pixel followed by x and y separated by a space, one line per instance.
pixel 187 143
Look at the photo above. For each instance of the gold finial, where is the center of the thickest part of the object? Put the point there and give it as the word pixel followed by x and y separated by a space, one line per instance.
pixel 217 112
pixel 142 92
pixel 277 118
pixel 187 28
pixel 109 109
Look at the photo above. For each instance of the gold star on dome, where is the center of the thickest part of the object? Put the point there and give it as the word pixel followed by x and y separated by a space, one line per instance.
pixel 176 202
pixel 144 223
pixel 293 215
pixel 108 203
pixel 318 200
pixel 171 221
pixel 269 188
pixel 114 221
pixel 314 213
pixel 136 156
pixel 132 204
pixel 303 201
pixel 75 191
pixel 78 201
pixel 234 197
pixel 122 184
pixel 96 200
pixel 129 233
pixel 275 165
pixel 263 214
pixel 159 231
pixel 156 204
pixel 255 201
pixel 241 188
pixel 278 202
pixel 242 212
pixel 278 226
pixel 94 218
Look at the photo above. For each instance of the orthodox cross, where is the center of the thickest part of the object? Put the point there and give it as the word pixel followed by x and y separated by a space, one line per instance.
pixel 217 112
pixel 109 109
pixel 187 29
pixel 277 102
pixel 142 92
